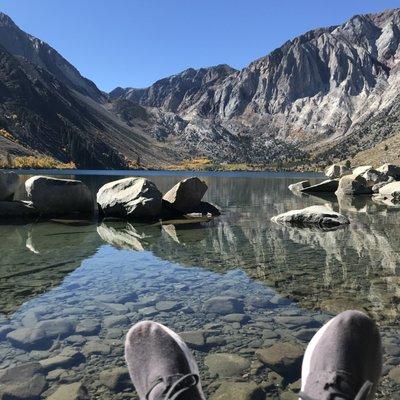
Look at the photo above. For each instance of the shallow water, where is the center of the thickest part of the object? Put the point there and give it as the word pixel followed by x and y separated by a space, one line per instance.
pixel 100 279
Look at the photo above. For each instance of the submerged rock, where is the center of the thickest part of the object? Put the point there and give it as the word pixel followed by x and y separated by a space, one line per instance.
pixel 41 334
pixel 223 305
pixel 116 379
pixel 130 198
pixel 53 196
pixel 312 216
pixel 23 382
pixel 226 365
pixel 71 391
pixel 186 195
pixel 9 184
pixel 282 357
pixel 353 185
pixel 239 391
pixel 328 186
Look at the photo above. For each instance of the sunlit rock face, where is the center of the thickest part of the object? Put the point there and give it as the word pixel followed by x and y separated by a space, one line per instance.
pixel 315 90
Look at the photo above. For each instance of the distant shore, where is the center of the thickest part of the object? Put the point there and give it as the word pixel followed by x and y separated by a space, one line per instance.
pixel 196 165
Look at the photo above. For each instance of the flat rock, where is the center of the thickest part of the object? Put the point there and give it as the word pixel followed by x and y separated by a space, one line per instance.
pixel 295 187
pixel 167 305
pixel 116 379
pixel 41 334
pixel 23 382
pixel 66 359
pixel 226 365
pixel 223 305
pixel 95 347
pixel 87 327
pixel 186 195
pixel 295 321
pixel 282 357
pixel 194 339
pixel 319 216
pixel 54 196
pixel 148 311
pixel 115 320
pixel 71 391
pixel 116 297
pixel 240 318
pixel 327 186
pixel 130 198
pixel 239 391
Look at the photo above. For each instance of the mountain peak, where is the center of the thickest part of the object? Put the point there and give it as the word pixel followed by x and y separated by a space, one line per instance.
pixel 6 21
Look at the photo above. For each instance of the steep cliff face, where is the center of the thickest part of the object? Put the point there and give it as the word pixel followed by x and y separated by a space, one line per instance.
pixel 309 94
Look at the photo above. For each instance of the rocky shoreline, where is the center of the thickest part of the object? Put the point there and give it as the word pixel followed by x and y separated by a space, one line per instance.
pixel 127 199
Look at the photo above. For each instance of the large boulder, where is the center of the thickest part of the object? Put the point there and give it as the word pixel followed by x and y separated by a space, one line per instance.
pixel 353 185
pixel 130 198
pixel 53 196
pixel 337 171
pixel 373 177
pixel 319 216
pixel 390 192
pixel 328 186
pixel 185 195
pixel 9 183
pixel 361 170
pixel 390 170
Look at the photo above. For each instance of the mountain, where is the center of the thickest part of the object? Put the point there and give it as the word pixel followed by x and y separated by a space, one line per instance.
pixel 48 108
pixel 329 94
pixel 305 100
pixel 21 44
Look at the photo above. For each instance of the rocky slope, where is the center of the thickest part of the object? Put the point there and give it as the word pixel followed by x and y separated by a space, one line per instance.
pixel 48 108
pixel 311 95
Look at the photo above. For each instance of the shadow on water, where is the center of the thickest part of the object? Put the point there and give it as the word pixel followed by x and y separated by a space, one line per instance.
pixel 102 278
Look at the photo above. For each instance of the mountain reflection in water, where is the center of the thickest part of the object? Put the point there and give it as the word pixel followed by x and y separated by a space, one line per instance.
pixel 354 267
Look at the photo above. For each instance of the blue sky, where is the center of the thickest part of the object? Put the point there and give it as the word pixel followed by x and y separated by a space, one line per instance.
pixel 136 42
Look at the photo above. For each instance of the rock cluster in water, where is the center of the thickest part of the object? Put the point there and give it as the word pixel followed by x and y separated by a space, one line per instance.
pixel 382 183
pixel 129 198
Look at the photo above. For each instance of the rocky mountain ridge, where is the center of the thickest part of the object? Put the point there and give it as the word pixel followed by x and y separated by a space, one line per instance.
pixel 311 93
pixel 325 95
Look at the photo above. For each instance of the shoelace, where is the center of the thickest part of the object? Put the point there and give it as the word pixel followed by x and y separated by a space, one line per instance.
pixel 362 394
pixel 175 385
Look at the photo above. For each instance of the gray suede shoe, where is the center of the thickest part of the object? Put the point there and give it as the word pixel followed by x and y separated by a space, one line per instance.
pixel 160 364
pixel 343 360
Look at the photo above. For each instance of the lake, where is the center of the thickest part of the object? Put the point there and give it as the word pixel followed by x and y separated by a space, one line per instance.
pixel 93 281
